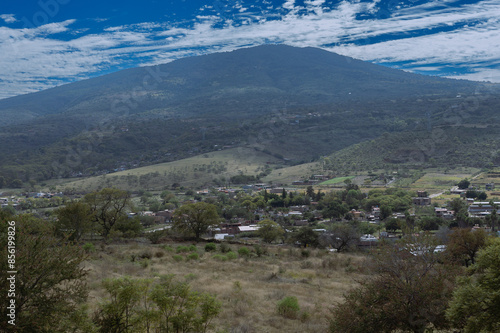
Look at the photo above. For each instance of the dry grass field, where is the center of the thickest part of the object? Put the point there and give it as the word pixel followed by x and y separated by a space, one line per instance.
pixel 248 287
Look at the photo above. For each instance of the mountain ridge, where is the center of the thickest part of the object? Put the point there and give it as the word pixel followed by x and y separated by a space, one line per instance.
pixel 294 103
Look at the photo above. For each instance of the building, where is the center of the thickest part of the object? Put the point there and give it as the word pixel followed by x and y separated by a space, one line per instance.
pixel 483 208
pixel 422 199
pixel 490 186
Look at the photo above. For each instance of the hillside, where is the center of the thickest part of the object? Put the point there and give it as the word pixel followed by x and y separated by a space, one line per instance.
pixel 296 104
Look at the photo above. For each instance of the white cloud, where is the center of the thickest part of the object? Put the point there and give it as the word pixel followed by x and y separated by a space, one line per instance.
pixel 33 55
pixel 8 18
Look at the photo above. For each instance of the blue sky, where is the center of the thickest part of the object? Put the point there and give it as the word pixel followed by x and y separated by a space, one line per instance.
pixel 50 42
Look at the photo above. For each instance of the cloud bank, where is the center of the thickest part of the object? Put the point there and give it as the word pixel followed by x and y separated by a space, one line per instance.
pixel 459 41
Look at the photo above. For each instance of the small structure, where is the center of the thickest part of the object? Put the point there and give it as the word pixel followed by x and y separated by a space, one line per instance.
pixel 490 186
pixel 422 199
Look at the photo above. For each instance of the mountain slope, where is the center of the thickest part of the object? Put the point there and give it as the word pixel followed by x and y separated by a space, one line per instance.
pixel 294 103
pixel 244 81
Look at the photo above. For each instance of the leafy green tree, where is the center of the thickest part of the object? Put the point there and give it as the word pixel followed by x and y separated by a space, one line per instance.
pixel 269 230
pixel 476 301
pixel 108 208
pixel 120 314
pixel 463 184
pixel 182 310
pixel 392 225
pixel 50 280
pixel 306 236
pixel 73 220
pixel 195 219
pixel 334 209
pixel 385 212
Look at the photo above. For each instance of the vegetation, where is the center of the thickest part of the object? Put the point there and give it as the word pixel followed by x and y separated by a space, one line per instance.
pixel 476 301
pixel 195 219
pixel 50 284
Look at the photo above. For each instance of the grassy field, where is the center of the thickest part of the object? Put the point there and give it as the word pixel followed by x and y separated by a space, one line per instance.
pixel 290 174
pixel 249 288
pixel 336 180
pixel 196 171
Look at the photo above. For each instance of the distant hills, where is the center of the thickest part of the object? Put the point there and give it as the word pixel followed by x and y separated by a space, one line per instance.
pixel 295 104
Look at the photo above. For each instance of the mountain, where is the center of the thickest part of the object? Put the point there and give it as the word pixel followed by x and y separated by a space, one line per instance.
pixel 293 103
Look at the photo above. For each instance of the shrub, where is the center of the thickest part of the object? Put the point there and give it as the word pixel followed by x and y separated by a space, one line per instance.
pixel 305 253
pixel 210 247
pixel 177 257
pixel 146 255
pixel 89 248
pixel 231 255
pixel 224 248
pixel 192 248
pixel 220 257
pixel 288 307
pixel 144 263
pixel 244 251
pixel 168 248
pixel 193 256
pixel 259 250
pixel 182 249
pixel 159 254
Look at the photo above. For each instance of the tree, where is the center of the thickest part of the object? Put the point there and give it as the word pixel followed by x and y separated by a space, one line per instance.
pixel 463 184
pixel 182 310
pixel 341 236
pixel 385 212
pixel 406 293
pixel 306 236
pixel 334 209
pixel 195 219
pixel 50 279
pixel 269 230
pixel 392 225
pixel 464 244
pixel 476 301
pixel 73 220
pixel 107 207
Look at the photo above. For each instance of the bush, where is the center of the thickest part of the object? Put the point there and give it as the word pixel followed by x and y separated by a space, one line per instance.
pixel 231 255
pixel 224 248
pixel 210 247
pixel 146 255
pixel 192 248
pixel 244 251
pixel 168 248
pixel 305 253
pixel 89 248
pixel 288 307
pixel 193 256
pixel 144 263
pixel 177 257
pixel 259 250
pixel 220 257
pixel 182 249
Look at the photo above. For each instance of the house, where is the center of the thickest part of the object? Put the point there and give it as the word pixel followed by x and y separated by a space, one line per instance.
pixel 164 216
pixel 422 199
pixel 444 213
pixel 490 186
pixel 230 228
pixel 483 208
pixel 356 215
